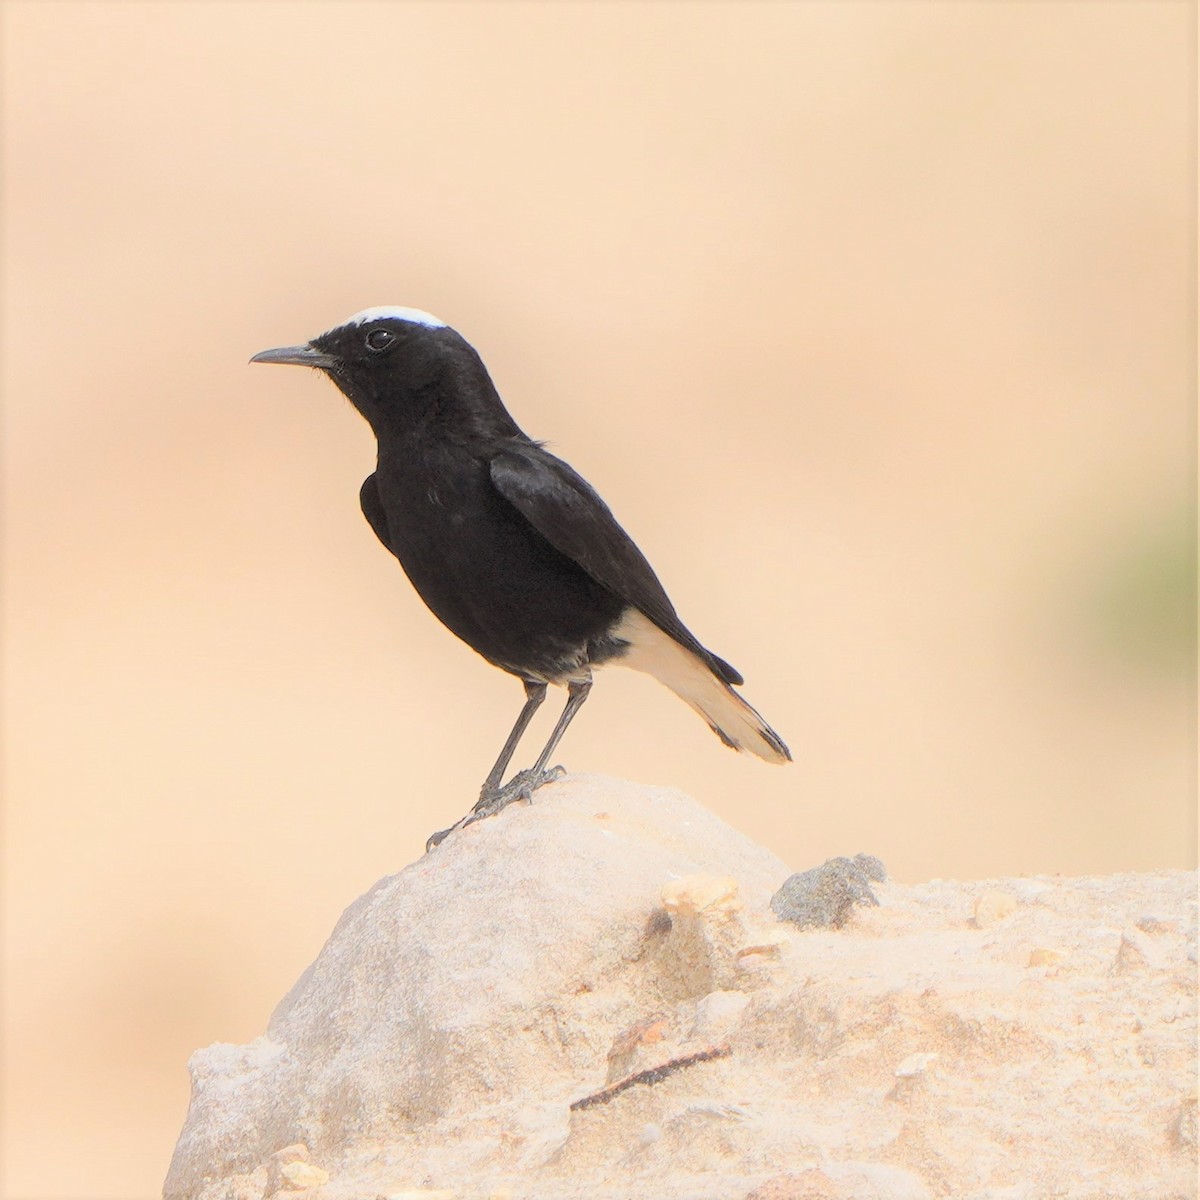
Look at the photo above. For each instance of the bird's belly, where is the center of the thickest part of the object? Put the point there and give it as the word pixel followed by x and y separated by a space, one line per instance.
pixel 490 578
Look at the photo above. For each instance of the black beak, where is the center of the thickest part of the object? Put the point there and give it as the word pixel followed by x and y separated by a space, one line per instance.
pixel 300 356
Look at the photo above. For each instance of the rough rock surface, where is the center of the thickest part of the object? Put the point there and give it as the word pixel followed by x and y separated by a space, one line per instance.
pixel 590 997
pixel 823 897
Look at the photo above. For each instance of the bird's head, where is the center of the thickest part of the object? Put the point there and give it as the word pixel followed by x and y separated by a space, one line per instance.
pixel 388 361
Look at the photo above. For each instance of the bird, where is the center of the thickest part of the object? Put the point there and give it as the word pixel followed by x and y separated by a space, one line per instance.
pixel 509 547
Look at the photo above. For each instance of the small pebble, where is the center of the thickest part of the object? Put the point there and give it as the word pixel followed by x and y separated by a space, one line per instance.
pixel 287 1170
pixel 1136 953
pixel 717 1014
pixel 915 1064
pixel 643 1033
pixel 296 1152
pixel 1183 1130
pixel 992 907
pixel 769 945
pixel 298 1175
pixel 701 893
pixel 1044 957
pixel 1153 925
pixel 1029 890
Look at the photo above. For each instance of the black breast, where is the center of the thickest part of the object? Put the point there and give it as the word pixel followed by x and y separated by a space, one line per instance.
pixel 482 569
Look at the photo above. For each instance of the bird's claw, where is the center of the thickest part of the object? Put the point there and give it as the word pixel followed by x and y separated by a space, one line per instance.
pixel 519 788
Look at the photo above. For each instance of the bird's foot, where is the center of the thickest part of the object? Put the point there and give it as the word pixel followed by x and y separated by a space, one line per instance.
pixel 520 787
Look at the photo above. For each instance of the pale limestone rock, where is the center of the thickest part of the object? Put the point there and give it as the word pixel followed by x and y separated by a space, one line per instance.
pixel 292 1169
pixel 1043 956
pixel 1137 952
pixel 1183 1129
pixel 717 1015
pixel 695 894
pixel 994 906
pixel 915 1064
pixel 805 1185
pixel 588 997
pixel 298 1176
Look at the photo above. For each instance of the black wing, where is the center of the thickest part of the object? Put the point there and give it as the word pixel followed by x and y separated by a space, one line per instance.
pixel 372 506
pixel 565 509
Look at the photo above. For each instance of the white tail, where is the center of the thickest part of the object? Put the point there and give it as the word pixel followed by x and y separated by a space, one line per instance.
pixel 689 677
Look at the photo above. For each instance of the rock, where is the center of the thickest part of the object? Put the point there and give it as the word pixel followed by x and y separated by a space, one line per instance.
pixel 631 1046
pixel 915 1064
pixel 1137 952
pixel 696 894
pixel 590 997
pixel 1183 1128
pixel 1153 926
pixel 804 1185
pixel 871 867
pixel 717 1015
pixel 1029 891
pixel 993 906
pixel 291 1169
pixel 824 896
pixel 1043 956
pixel 298 1176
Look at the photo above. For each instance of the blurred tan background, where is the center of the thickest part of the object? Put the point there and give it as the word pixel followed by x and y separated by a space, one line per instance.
pixel 871 321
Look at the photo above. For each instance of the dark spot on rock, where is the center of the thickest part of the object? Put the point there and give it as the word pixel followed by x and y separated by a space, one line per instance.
pixel 823 897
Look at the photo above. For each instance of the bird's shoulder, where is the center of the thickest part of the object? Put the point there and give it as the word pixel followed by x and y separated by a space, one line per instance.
pixel 527 474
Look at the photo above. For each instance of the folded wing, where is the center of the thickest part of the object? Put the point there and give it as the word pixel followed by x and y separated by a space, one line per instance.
pixel 566 510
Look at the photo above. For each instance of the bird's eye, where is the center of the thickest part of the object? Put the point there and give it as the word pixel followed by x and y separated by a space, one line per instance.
pixel 380 339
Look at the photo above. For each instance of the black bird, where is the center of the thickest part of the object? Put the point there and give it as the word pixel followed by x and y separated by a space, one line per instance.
pixel 508 546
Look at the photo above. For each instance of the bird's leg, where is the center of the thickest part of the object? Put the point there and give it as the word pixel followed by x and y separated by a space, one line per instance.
pixel 491 792
pixel 524 783
pixel 577 693
pixel 535 693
